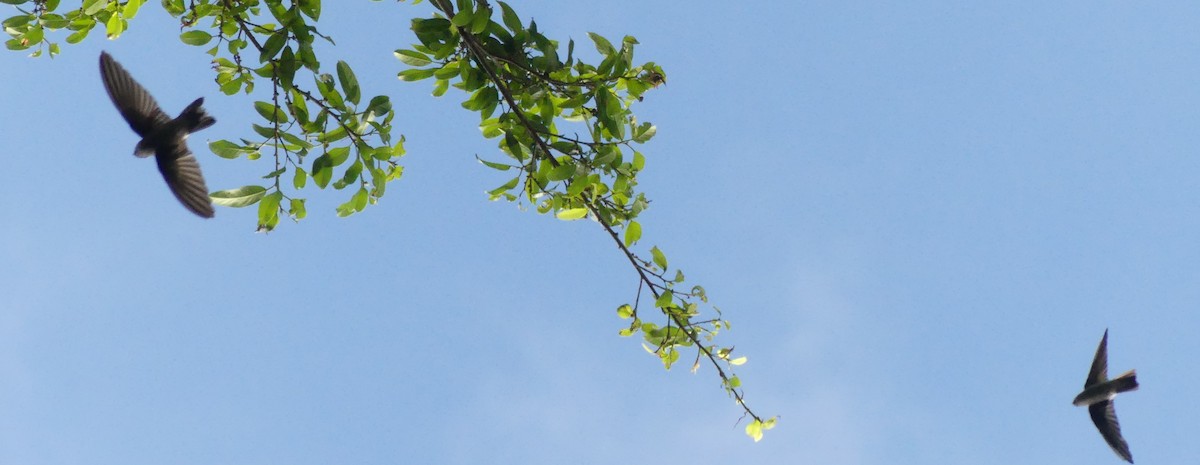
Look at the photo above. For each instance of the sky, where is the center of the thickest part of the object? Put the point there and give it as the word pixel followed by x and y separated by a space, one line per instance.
pixel 920 219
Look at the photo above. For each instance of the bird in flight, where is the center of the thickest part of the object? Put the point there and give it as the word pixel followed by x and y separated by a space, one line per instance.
pixel 162 136
pixel 1098 393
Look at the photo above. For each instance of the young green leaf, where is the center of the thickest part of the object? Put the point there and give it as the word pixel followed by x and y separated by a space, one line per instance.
pixel 240 197
pixel 349 82
pixel 413 58
pixel 602 45
pixel 625 312
pixel 659 258
pixel 195 37
pixel 633 232
pixel 572 214
pixel 665 300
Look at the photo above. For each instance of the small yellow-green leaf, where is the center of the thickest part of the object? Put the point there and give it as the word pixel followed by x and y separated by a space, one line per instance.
pixel 131 9
pixel 572 214
pixel 738 361
pixel 665 300
pixel 297 209
pixel 659 258
pixel 299 178
pixel 113 28
pixel 754 430
pixel 625 312
pixel 633 232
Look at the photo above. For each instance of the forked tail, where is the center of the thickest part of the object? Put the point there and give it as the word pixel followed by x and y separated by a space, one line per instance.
pixel 1126 382
pixel 195 117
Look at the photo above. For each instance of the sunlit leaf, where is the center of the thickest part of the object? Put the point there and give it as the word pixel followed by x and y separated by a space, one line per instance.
pixel 572 214
pixel 240 197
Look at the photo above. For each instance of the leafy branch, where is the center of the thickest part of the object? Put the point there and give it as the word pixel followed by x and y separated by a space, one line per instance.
pixel 534 102
pixel 517 68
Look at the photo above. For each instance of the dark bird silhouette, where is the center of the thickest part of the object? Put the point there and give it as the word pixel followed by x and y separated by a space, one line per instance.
pixel 162 136
pixel 1098 393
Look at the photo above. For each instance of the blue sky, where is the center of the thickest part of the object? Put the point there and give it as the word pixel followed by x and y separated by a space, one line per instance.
pixel 920 219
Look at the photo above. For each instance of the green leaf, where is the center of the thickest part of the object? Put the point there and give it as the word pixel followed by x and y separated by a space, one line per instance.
pixel 350 176
pixel 669 357
pixel 633 232
pixel 311 8
pixel 273 46
pixel 91 7
pixel 268 211
pixel 131 9
pixel 571 214
pixel 665 300
pixel 78 36
pixel 492 165
pixel 325 86
pixel 297 209
pixel 379 105
pixel 360 199
pixel 738 361
pixel 644 132
pixel 625 312
pixel 440 87
pixel 510 18
pixel 113 29
pixel 299 178
pixel 322 170
pixel 270 112
pixel 412 75
pixel 225 149
pixel 480 21
pixel 659 258
pixel 502 190
pixel 602 45
pixel 349 82
pixel 240 197
pixel 413 58
pixel 195 37
pixel 462 18
pixel 755 430
pixel 563 171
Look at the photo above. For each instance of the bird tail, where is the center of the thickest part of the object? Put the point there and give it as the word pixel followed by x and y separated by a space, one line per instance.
pixel 1126 382
pixel 195 117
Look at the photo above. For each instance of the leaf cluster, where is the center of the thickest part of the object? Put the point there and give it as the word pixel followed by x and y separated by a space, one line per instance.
pixel 321 131
pixel 27 29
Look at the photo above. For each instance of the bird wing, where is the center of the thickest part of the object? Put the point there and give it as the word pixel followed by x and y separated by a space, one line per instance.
pixel 1105 418
pixel 182 173
pixel 133 101
pixel 1099 372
